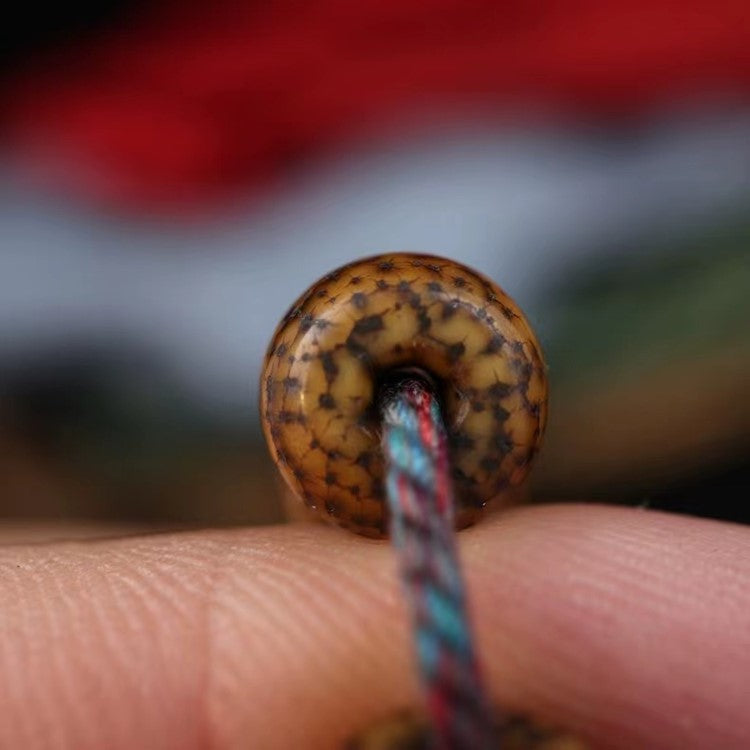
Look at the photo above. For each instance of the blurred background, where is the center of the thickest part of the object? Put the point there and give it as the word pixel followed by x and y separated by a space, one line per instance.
pixel 173 175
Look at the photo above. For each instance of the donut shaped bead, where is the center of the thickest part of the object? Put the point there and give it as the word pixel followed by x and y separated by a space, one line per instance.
pixel 339 342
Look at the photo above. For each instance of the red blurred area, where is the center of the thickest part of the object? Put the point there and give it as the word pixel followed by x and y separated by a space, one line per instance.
pixel 188 103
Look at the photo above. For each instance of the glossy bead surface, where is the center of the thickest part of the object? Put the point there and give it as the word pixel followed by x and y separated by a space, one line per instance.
pixel 344 335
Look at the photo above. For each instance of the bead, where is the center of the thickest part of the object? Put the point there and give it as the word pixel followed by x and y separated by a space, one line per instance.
pixel 344 335
pixel 410 730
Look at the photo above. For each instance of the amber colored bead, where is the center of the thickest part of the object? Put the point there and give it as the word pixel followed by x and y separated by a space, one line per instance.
pixel 342 337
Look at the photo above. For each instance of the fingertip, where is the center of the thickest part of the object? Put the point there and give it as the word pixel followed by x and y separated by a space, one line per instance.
pixel 631 628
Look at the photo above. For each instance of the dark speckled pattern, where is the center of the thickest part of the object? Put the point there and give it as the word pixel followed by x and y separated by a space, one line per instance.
pixel 409 731
pixel 335 345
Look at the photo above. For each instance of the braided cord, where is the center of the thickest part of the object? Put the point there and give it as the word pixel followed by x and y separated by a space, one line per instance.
pixel 420 498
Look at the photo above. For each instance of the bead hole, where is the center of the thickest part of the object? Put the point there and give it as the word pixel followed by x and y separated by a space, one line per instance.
pixel 390 380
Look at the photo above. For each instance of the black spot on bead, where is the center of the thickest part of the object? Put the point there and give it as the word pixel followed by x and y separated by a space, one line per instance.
pixel 359 300
pixel 355 280
pixel 331 508
pixel 281 350
pixel 499 390
pixel 270 388
pixel 364 459
pixel 368 324
pixel 523 368
pixel 381 284
pixel 456 351
pixel 290 417
pixel 477 406
pixel 499 413
pixel 357 350
pixel 291 384
pixel 462 477
pixel 434 287
pixel 330 478
pixel 449 309
pixel 321 293
pixel 314 443
pixel 462 441
pixel 306 323
pixel 459 282
pixel 507 312
pixel 489 464
pixel 330 368
pixel 404 286
pixel 424 320
pixel 494 344
pixel 503 443
pixel 326 401
pixel 385 265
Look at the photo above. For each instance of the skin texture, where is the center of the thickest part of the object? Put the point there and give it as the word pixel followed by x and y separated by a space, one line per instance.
pixel 629 627
pixel 340 339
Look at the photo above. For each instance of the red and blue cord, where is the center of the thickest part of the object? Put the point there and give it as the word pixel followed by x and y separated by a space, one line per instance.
pixel 420 500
